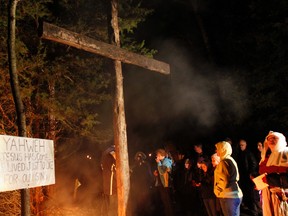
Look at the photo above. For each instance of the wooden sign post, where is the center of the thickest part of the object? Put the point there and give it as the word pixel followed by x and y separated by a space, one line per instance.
pixel 57 34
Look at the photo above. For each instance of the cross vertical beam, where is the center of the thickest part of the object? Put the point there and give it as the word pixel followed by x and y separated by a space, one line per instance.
pixel 120 133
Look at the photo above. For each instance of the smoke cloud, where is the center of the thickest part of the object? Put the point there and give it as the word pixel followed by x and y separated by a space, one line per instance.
pixel 195 94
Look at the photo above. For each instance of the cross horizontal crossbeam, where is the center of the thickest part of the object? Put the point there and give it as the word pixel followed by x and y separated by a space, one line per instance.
pixel 64 36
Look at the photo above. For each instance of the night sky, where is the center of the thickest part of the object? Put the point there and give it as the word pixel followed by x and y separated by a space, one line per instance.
pixel 206 97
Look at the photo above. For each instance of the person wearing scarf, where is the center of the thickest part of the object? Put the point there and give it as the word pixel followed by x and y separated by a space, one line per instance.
pixel 274 164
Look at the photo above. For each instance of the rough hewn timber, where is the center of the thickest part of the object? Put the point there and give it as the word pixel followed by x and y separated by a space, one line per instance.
pixel 61 35
pixel 120 134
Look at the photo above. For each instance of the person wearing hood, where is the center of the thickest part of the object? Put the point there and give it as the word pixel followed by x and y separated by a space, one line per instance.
pixel 226 177
pixel 274 165
pixel 108 165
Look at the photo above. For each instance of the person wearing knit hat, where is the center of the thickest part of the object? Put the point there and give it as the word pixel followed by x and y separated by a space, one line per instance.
pixel 140 156
pixel 274 165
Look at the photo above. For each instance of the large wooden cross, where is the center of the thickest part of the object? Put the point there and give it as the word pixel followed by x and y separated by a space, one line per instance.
pixel 54 33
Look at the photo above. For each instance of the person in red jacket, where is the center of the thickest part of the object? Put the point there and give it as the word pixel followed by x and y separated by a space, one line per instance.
pixel 274 164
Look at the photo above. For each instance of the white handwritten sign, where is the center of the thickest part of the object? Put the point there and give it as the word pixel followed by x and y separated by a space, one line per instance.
pixel 25 162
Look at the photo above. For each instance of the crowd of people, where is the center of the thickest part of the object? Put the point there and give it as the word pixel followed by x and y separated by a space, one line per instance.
pixel 218 184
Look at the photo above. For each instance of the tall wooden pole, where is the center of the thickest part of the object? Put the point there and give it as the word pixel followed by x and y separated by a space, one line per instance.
pixel 21 118
pixel 120 135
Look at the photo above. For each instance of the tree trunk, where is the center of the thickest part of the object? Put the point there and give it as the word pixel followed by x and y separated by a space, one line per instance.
pixel 204 36
pixel 51 132
pixel 21 119
pixel 202 29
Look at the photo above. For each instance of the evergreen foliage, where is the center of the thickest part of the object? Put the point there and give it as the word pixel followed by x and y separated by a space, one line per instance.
pixel 79 80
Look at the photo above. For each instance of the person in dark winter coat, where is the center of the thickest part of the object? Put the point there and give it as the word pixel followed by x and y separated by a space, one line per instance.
pixel 187 192
pixel 206 188
pixel 141 182
pixel 248 169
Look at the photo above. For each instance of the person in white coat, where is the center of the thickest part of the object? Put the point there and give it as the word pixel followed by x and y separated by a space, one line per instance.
pixel 226 177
